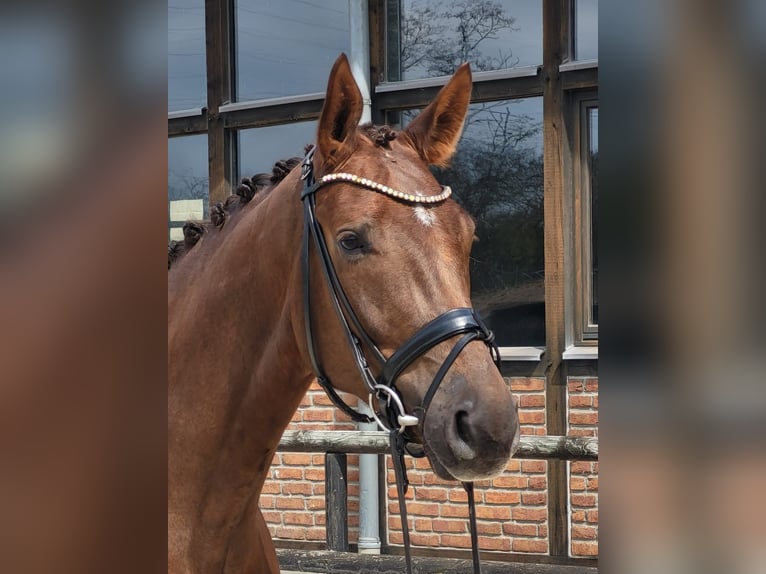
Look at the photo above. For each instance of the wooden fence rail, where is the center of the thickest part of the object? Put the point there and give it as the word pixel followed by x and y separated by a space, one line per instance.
pixel 336 444
pixel 376 442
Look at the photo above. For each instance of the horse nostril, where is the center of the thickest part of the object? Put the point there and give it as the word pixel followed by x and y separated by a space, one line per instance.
pixel 462 427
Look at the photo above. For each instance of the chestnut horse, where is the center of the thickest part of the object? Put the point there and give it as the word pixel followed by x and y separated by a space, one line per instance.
pixel 239 361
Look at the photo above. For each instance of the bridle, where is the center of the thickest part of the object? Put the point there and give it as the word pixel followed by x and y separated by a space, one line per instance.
pixel 391 416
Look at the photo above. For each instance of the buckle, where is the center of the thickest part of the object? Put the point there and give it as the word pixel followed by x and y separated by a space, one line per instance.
pixel 307 165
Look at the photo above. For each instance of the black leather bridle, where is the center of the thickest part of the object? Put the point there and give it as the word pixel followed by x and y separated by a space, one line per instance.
pixel 462 322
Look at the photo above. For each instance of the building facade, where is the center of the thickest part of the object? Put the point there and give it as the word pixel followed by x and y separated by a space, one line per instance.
pixel 246 80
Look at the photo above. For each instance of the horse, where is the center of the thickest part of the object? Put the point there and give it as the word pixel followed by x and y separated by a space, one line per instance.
pixel 243 345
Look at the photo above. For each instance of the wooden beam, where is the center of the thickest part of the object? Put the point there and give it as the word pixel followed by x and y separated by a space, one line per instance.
pixel 336 505
pixel 217 46
pixel 555 48
pixel 376 442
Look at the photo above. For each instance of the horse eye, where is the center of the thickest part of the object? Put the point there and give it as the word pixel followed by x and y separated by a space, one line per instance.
pixel 351 242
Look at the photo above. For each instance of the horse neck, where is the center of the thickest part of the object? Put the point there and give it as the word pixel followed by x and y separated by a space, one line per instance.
pixel 237 373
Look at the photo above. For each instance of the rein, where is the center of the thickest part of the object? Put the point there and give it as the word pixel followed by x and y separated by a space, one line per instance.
pixel 391 415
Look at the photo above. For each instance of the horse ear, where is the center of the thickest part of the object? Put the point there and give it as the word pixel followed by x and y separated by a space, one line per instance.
pixel 341 111
pixel 436 130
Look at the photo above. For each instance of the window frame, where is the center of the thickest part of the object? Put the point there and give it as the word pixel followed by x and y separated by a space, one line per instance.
pixel 582 333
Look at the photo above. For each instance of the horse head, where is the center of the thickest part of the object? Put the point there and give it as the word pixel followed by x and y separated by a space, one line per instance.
pixel 401 254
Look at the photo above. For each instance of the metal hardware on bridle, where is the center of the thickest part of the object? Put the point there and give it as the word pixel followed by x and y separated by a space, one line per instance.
pixel 391 414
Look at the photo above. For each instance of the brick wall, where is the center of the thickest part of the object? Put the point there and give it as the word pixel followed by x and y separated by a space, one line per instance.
pixel 582 417
pixel 511 509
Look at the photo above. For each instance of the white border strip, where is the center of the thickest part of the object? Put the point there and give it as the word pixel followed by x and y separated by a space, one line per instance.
pixel 190 113
pixel 253 104
pixel 520 72
pixel 521 353
pixel 581 352
pixel 578 65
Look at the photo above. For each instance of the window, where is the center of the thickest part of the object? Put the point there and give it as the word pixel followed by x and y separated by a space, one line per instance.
pixel 286 47
pixel 583 274
pixel 187 182
pixel 187 81
pixel 259 148
pixel 497 176
pixel 586 29
pixel 427 38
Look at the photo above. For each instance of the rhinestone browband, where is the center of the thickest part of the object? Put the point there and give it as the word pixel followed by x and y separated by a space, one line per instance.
pixel 384 189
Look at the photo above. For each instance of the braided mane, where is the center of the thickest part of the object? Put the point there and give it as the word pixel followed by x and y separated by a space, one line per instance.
pixel 253 190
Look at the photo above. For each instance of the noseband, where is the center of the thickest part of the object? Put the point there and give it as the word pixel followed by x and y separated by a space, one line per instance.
pixel 391 414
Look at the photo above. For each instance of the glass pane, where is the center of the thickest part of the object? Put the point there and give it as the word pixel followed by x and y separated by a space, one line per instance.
pixel 260 148
pixel 287 47
pixel 586 29
pixel 187 181
pixel 426 38
pixel 187 83
pixel 593 159
pixel 497 176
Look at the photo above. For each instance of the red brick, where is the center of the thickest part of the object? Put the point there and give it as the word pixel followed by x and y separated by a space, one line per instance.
pixel 454 511
pixel 583 418
pixel 316 474
pixel 595 401
pixel 533 466
pixel 519 384
pixel 523 514
pixel 271 487
pixel 291 503
pixel 433 494
pixel 456 541
pixel 582 431
pixel 584 548
pixel 593 483
pixel 296 459
pixel 510 482
pixel 537 483
pixel 492 543
pixel 531 417
pixel 283 473
pixel 325 415
pixel 532 401
pixel 290 532
pixel 318 488
pixel 493 512
pixel 395 522
pixel 578 515
pixel 580 532
pixel 302 518
pixel 442 525
pixel 587 500
pixel 533 498
pixel 423 508
pixel 266 501
pixel 395 538
pixel 592 516
pixel 272 516
pixel 529 545
pixel 315 503
pixel 502 497
pixel 516 529
pixel 576 385
pixel 423 525
pixel 582 467
pixel 296 488
pixel 576 483
pixel 459 496
pixel 591 385
pixel 488 528
pixel 424 539
pixel 580 401
pixel 315 534
pixel 320 518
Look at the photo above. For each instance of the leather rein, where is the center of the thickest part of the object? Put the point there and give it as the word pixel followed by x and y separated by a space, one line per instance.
pixel 390 414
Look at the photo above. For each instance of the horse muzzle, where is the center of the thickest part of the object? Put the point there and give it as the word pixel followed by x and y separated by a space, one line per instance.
pixel 469 437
